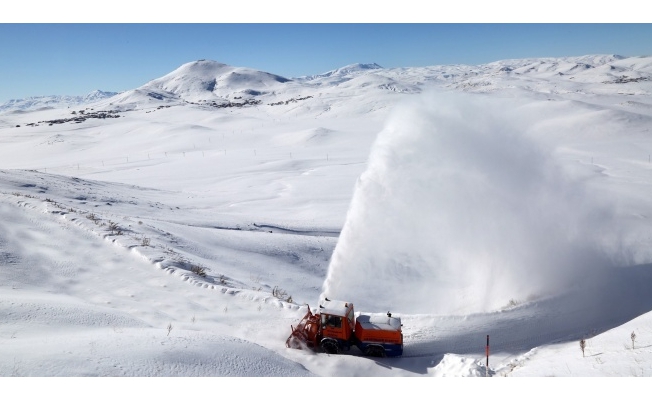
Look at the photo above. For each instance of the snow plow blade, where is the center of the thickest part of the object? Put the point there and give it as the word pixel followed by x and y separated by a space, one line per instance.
pixel 305 334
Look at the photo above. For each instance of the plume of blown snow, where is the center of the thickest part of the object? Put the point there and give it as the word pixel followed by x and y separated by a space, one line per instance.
pixel 460 210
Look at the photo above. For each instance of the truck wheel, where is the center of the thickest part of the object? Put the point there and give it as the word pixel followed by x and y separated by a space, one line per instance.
pixel 375 351
pixel 330 347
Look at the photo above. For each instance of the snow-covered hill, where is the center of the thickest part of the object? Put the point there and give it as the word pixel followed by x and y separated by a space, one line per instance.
pixel 192 219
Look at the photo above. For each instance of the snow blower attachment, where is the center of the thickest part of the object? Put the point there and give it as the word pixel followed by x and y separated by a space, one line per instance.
pixel 335 329
pixel 305 334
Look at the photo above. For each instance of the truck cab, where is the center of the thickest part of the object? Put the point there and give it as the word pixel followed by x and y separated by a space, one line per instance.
pixel 337 322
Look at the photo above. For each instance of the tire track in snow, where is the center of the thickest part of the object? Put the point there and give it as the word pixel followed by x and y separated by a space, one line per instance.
pixel 588 311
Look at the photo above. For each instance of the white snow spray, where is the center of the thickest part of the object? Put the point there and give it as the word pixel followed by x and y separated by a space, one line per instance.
pixel 460 210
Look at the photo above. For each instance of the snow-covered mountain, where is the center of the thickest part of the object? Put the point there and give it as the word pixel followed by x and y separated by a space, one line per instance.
pixel 181 228
pixel 343 72
pixel 212 82
pixel 54 101
pixel 209 81
pixel 206 80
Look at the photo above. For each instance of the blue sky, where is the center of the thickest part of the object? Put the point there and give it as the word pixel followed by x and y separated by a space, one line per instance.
pixel 76 58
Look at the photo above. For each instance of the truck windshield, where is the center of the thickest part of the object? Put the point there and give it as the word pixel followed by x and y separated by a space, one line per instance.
pixel 332 321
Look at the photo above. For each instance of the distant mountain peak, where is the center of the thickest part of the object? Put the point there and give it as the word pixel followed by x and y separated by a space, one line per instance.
pixel 203 63
pixel 364 66
pixel 352 69
pixel 347 70
pixel 54 101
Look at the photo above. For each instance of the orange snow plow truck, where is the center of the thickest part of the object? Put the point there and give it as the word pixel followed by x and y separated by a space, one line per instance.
pixel 335 328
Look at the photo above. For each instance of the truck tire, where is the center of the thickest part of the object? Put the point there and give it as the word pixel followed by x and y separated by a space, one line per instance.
pixel 375 351
pixel 330 347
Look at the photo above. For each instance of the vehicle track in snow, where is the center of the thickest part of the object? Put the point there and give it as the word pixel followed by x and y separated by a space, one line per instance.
pixel 585 312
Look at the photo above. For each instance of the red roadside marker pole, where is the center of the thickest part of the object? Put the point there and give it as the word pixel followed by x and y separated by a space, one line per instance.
pixel 487 352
